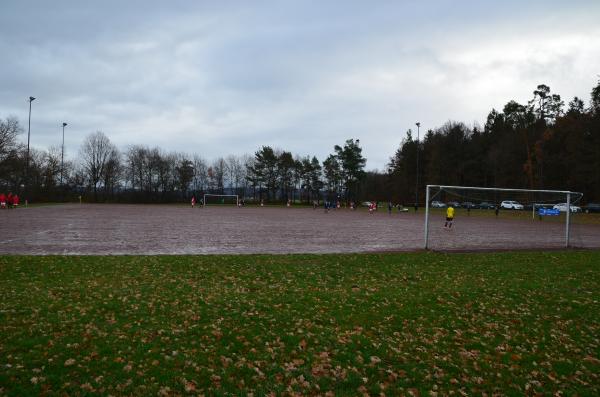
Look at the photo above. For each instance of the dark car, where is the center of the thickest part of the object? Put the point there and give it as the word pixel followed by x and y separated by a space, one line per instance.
pixel 468 205
pixel 592 208
pixel 484 205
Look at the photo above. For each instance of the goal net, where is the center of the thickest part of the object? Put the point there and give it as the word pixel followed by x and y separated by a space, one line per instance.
pixel 220 199
pixel 495 218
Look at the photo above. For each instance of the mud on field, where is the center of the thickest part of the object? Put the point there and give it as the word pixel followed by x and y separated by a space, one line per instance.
pixel 169 229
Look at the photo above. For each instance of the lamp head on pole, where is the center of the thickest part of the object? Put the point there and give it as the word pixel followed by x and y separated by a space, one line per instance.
pixel 418 124
pixel 31 99
pixel 64 124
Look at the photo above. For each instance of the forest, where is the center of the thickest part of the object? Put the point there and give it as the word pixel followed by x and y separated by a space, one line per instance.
pixel 543 144
pixel 538 145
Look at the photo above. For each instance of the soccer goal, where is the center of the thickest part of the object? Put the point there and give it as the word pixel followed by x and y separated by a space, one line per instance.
pixel 220 199
pixel 497 218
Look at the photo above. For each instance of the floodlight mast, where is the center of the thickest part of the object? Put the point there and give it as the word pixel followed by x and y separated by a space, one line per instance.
pixel 62 154
pixel 418 124
pixel 31 99
pixel 566 192
pixel 426 217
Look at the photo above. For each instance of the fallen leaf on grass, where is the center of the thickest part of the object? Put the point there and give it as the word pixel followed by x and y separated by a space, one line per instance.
pixel 190 387
pixel 591 359
pixel 375 360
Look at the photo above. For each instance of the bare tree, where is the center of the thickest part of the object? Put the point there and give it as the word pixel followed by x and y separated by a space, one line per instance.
pixel 235 172
pixel 230 169
pixel 134 166
pixel 9 129
pixel 253 177
pixel 200 181
pixel 11 169
pixel 37 159
pixel 112 172
pixel 184 173
pixel 50 168
pixel 216 174
pixel 77 179
pixel 245 162
pixel 95 153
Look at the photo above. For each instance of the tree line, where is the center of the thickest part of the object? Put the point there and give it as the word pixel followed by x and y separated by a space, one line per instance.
pixel 538 145
pixel 103 172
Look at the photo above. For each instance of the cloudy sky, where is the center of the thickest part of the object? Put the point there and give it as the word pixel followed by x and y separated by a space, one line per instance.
pixel 225 77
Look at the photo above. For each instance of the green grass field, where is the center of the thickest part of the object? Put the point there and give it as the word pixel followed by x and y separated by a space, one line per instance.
pixel 397 324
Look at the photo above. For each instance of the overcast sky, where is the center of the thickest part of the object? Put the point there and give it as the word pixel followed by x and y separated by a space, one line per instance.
pixel 225 77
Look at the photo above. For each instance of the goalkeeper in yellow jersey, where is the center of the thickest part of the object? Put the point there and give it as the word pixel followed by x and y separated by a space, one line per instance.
pixel 449 217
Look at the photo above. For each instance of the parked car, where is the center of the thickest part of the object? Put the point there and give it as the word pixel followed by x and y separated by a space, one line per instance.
pixel 592 207
pixel 454 204
pixel 366 203
pixel 511 205
pixel 468 205
pixel 437 204
pixel 485 205
pixel 562 207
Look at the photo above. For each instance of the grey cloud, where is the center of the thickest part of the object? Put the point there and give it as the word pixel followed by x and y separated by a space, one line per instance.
pixel 220 78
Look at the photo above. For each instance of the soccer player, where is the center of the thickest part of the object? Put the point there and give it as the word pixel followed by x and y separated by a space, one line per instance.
pixel 15 200
pixel 193 200
pixel 2 200
pixel 449 217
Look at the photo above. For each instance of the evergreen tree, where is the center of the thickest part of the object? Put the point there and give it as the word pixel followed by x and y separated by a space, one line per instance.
pixel 352 165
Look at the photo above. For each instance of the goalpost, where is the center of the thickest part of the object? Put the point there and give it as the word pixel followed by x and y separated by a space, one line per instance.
pixel 223 196
pixel 538 200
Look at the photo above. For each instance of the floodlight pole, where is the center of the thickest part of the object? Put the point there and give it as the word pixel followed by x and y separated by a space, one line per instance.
pixel 62 155
pixel 31 99
pixel 418 124
pixel 568 223
pixel 426 217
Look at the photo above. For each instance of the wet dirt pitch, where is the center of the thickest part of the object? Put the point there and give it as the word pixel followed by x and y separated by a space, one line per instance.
pixel 169 229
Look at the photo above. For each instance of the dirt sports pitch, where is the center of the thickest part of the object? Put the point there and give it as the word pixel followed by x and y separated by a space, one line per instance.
pixel 170 229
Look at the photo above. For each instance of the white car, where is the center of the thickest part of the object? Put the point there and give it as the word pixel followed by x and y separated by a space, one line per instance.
pixel 511 205
pixel 562 207
pixel 437 204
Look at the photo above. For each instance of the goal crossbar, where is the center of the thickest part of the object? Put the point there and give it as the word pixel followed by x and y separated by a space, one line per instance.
pixel 565 192
pixel 505 189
